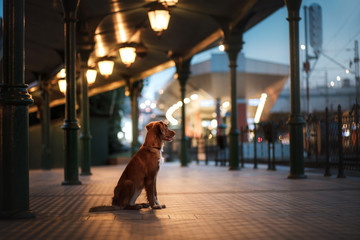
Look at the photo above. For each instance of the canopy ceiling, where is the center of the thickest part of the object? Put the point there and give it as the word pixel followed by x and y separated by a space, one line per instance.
pixel 106 24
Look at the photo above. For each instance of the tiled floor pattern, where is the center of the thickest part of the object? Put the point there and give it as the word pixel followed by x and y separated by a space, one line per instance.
pixel 203 202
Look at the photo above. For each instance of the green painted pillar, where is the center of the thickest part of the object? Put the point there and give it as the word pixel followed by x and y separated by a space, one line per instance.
pixel 45 124
pixel 135 91
pixel 14 117
pixel 233 45
pixel 70 126
pixel 85 135
pixel 183 73
pixel 295 121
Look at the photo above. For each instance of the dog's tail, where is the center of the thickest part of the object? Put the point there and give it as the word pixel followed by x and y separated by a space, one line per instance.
pixel 104 208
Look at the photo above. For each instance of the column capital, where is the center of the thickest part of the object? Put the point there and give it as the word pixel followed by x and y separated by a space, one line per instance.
pixel 136 88
pixel 182 69
pixel 84 56
pixel 293 7
pixel 45 84
pixel 233 43
pixel 70 8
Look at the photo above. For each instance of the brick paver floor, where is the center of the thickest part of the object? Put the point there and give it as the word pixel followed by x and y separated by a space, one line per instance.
pixel 203 202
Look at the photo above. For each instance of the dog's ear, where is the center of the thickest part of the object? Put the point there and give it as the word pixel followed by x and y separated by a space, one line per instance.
pixel 162 127
pixel 149 125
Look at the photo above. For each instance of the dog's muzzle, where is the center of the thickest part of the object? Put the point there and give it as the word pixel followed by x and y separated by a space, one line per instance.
pixel 170 136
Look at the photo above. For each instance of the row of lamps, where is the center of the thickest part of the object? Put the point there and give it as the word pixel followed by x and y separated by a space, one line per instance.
pixel 90 76
pixel 159 17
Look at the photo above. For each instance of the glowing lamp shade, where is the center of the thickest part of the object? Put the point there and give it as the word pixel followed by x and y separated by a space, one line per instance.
pixel 91 76
pixel 61 73
pixel 62 85
pixel 159 19
pixel 169 2
pixel 106 67
pixel 127 55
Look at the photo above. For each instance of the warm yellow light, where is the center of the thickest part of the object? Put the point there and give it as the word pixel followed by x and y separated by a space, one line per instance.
pixel 127 91
pixel 62 85
pixel 91 76
pixel 169 2
pixel 260 107
pixel 159 19
pixel 186 100
pixel 226 104
pixel 106 67
pixel 61 74
pixel 127 55
pixel 194 96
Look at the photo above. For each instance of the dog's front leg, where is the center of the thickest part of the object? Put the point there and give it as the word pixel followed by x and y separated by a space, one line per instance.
pixel 155 194
pixel 150 193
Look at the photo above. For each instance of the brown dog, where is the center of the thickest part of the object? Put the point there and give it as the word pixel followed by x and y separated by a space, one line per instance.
pixel 141 171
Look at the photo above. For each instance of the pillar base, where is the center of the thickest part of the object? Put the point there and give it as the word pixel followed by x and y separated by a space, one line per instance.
pixel 17 215
pixel 85 174
pixel 234 168
pixel 341 176
pixel 66 182
pixel 296 176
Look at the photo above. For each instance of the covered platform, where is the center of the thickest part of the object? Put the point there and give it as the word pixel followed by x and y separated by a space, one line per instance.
pixel 203 202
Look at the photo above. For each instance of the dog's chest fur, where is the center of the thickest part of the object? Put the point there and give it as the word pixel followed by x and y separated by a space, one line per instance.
pixel 161 159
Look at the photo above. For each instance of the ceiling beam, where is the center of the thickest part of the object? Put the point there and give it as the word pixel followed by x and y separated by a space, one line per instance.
pixel 243 12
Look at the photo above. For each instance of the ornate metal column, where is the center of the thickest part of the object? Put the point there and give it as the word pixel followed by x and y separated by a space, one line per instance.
pixel 233 45
pixel 135 91
pixel 45 124
pixel 183 73
pixel 70 126
pixel 295 121
pixel 14 117
pixel 85 135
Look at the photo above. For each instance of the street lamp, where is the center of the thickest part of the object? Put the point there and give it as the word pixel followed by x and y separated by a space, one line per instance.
pixel 127 55
pixel 61 73
pixel 169 2
pixel 106 67
pixel 91 76
pixel 62 85
pixel 159 17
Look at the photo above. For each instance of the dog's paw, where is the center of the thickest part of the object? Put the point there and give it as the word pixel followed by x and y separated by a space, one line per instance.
pixel 133 207
pixel 158 207
pixel 144 205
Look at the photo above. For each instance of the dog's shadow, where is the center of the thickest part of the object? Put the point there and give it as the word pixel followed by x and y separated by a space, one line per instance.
pixel 140 223
pixel 146 214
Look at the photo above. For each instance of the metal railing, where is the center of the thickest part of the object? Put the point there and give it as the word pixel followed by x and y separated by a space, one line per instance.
pixel 331 141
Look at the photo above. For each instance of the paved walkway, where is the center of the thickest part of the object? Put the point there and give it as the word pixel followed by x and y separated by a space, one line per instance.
pixel 203 202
